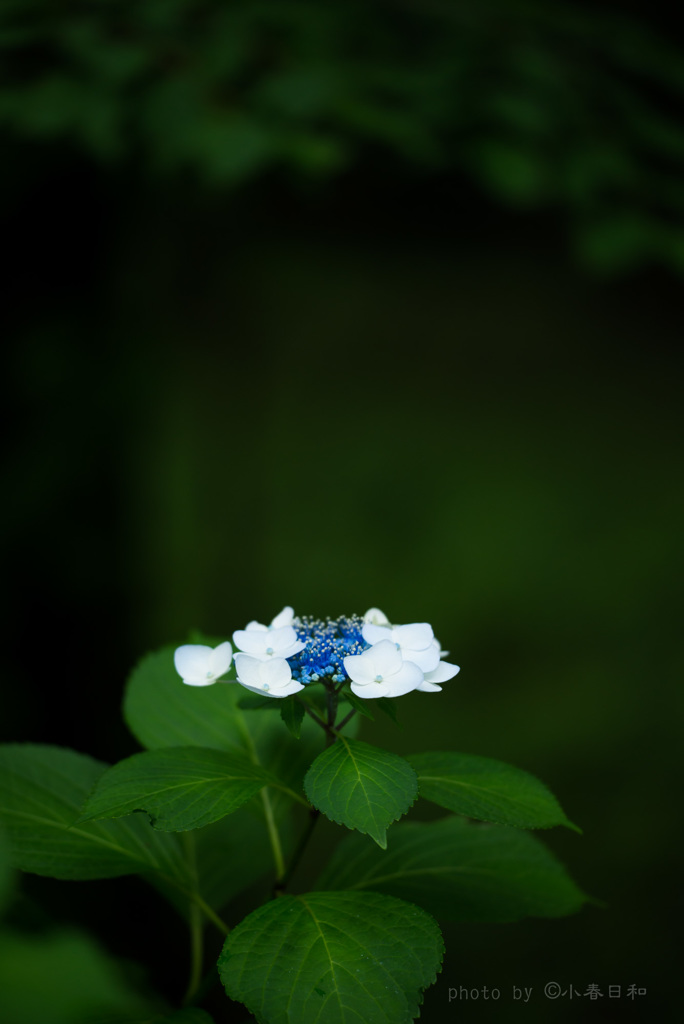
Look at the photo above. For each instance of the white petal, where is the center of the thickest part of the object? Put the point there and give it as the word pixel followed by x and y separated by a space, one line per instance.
pixel 269 643
pixel 416 636
pixel 370 690
pixel 428 687
pixel 427 659
pixel 283 618
pixel 282 639
pixel 249 670
pixel 220 659
pixel 442 673
pixel 272 678
pixel 276 673
pixel 409 677
pixel 292 687
pixel 374 634
pixel 192 663
pixel 384 657
pixel 375 617
pixel 256 689
pixel 252 641
pixel 251 626
pixel 359 668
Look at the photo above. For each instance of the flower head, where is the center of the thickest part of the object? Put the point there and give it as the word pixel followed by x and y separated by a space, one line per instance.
pixel 199 665
pixel 378 659
pixel 416 642
pixel 268 643
pixel 381 672
pixel 273 677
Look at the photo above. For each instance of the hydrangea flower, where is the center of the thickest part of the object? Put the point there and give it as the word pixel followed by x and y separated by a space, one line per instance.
pixel 279 640
pixel 199 665
pixel 381 672
pixel 375 657
pixel 268 643
pixel 416 642
pixel 272 677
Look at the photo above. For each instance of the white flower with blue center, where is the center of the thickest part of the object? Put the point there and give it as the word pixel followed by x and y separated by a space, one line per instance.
pixel 415 642
pixel 268 643
pixel 272 678
pixel 199 665
pixel 279 640
pixel 382 672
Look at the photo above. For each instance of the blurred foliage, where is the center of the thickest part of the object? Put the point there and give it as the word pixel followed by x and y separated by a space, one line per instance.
pixel 555 105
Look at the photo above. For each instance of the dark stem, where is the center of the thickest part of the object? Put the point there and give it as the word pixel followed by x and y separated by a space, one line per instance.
pixel 312 714
pixel 281 884
pixel 346 719
pixel 331 696
pixel 205 986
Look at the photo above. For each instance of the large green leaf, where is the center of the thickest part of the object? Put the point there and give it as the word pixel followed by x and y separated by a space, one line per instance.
pixel 6 873
pixel 459 871
pixel 332 958
pixel 361 786
pixel 162 711
pixel 489 790
pixel 42 790
pixel 181 788
pixel 292 713
pixel 65 978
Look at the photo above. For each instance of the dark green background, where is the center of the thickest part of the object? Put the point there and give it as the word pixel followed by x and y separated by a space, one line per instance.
pixel 382 380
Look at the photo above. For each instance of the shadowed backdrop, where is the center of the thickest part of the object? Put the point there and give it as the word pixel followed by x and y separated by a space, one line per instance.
pixel 351 305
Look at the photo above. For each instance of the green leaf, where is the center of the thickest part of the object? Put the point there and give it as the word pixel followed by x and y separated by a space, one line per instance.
pixel 64 978
pixel 389 706
pixel 361 786
pixel 254 702
pixel 162 711
pixel 292 713
pixel 459 871
pixel 489 790
pixel 338 958
pixel 6 873
pixel 42 790
pixel 181 788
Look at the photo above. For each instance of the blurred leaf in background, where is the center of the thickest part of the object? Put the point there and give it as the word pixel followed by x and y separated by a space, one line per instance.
pixel 573 107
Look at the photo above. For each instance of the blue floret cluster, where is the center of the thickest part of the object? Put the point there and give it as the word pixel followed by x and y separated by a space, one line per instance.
pixel 328 643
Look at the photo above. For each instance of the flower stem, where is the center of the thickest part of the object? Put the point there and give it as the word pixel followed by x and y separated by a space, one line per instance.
pixel 312 714
pixel 273 835
pixel 196 953
pixel 280 886
pixel 346 719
